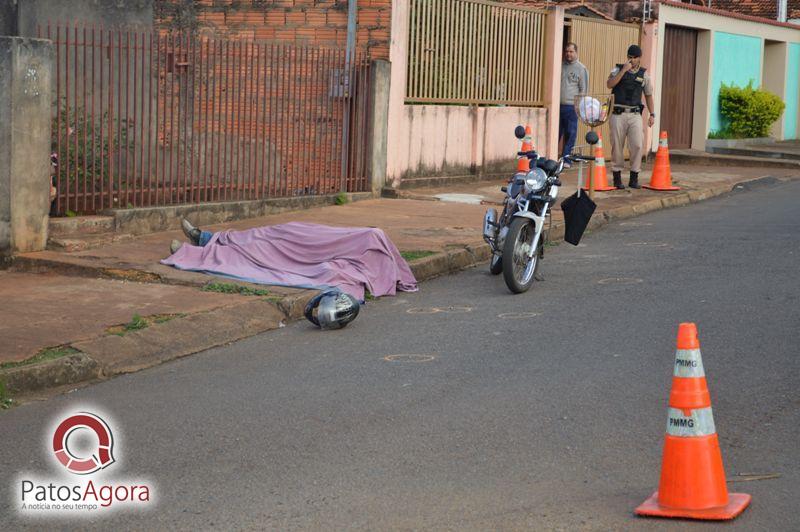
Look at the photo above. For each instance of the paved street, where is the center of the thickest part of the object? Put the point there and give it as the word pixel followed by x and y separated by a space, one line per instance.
pixel 539 411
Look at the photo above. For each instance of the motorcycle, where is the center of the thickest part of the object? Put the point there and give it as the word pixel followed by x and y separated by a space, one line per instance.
pixel 516 235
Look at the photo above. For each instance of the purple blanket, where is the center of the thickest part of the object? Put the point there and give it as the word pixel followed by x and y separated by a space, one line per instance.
pixel 304 255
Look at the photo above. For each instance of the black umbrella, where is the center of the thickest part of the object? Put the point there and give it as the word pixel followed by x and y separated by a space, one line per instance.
pixel 578 210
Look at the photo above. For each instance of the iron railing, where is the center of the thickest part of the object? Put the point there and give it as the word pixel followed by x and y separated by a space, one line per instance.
pixel 148 119
pixel 475 52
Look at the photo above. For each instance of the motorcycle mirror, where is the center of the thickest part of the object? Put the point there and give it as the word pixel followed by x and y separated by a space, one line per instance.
pixel 592 138
pixel 519 132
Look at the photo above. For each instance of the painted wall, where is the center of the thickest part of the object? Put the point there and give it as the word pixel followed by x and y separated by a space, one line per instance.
pixel 453 140
pixel 429 140
pixel 737 61
pixel 792 93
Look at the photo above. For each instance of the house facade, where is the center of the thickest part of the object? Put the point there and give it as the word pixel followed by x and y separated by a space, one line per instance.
pixel 700 49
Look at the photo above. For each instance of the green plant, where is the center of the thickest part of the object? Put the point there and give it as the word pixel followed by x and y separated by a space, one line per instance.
pixel 231 288
pixel 414 255
pixel 137 323
pixel 48 353
pixel 5 400
pixel 88 147
pixel 749 112
pixel 341 198
pixel 721 134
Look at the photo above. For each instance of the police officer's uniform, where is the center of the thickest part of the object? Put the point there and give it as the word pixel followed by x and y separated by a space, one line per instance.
pixel 626 120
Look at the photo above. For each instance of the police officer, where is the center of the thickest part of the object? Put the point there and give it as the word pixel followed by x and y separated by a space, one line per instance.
pixel 628 81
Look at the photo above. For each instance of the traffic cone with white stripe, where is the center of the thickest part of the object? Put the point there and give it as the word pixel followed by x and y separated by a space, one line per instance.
pixel 523 163
pixel 599 174
pixel 661 179
pixel 692 476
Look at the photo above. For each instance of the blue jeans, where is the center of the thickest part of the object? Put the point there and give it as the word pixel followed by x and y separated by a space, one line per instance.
pixel 568 127
pixel 205 237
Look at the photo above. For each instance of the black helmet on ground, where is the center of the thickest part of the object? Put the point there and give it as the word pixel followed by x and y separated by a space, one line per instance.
pixel 332 309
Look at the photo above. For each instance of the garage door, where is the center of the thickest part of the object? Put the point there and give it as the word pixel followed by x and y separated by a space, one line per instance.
pixel 677 94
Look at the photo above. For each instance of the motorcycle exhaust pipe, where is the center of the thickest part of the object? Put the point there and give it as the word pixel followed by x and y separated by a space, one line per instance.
pixel 489 225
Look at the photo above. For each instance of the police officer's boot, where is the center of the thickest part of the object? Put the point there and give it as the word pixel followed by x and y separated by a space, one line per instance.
pixel 618 181
pixel 634 181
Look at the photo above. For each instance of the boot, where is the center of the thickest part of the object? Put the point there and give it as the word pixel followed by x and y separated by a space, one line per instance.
pixel 634 181
pixel 191 232
pixel 618 181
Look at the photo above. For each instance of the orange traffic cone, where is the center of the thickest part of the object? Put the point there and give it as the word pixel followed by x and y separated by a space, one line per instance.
pixel 523 163
pixel 662 177
pixel 599 175
pixel 692 477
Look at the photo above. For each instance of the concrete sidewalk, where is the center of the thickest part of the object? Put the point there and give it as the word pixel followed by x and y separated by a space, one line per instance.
pixel 76 299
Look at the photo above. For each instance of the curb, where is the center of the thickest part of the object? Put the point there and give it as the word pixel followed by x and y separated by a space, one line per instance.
pixel 106 356
pixel 712 159
pixel 111 355
pixel 455 260
pixel 70 369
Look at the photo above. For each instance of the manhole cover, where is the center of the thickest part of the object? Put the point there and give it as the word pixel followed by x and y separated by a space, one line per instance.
pixel 409 358
pixel 648 244
pixel 636 224
pixel 518 315
pixel 436 310
pixel 620 280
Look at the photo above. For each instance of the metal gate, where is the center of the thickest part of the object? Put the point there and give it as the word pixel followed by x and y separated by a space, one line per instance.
pixel 601 45
pixel 677 93
pixel 148 119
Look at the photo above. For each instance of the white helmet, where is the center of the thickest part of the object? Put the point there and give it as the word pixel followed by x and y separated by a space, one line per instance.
pixel 589 109
pixel 332 309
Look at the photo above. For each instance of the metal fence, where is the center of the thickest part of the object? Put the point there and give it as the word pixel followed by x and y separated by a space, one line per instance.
pixel 475 52
pixel 147 119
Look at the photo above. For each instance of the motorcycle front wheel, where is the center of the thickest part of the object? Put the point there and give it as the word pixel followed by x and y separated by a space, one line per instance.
pixel 496 264
pixel 519 271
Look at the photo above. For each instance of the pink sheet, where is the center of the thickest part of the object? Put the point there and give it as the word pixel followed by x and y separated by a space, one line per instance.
pixel 304 255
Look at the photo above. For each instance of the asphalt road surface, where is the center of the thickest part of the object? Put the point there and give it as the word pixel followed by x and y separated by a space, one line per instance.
pixel 464 407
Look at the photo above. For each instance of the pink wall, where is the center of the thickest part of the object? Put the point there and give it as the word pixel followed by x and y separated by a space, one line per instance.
pixel 429 140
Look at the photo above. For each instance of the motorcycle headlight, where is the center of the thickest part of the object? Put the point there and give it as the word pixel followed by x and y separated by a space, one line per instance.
pixel 535 180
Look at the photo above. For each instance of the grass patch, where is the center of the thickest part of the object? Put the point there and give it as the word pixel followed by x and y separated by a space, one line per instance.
pixel 138 323
pixel 341 198
pixel 414 255
pixel 163 318
pixel 231 288
pixel 5 400
pixel 49 353
pixel 551 244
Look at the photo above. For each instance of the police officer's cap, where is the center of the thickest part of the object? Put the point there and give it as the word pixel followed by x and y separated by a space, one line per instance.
pixel 634 51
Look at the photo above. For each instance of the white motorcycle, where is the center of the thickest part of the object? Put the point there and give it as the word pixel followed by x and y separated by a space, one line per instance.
pixel 516 236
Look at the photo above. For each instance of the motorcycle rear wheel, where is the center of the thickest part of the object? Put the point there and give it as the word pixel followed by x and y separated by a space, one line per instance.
pixel 519 272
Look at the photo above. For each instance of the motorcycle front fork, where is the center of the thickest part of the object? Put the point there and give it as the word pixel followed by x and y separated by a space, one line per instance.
pixel 539 231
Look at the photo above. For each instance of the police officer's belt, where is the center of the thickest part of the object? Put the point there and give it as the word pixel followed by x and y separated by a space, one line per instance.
pixel 619 109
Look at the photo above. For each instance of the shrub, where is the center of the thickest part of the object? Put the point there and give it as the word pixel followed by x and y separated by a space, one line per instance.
pixel 750 112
